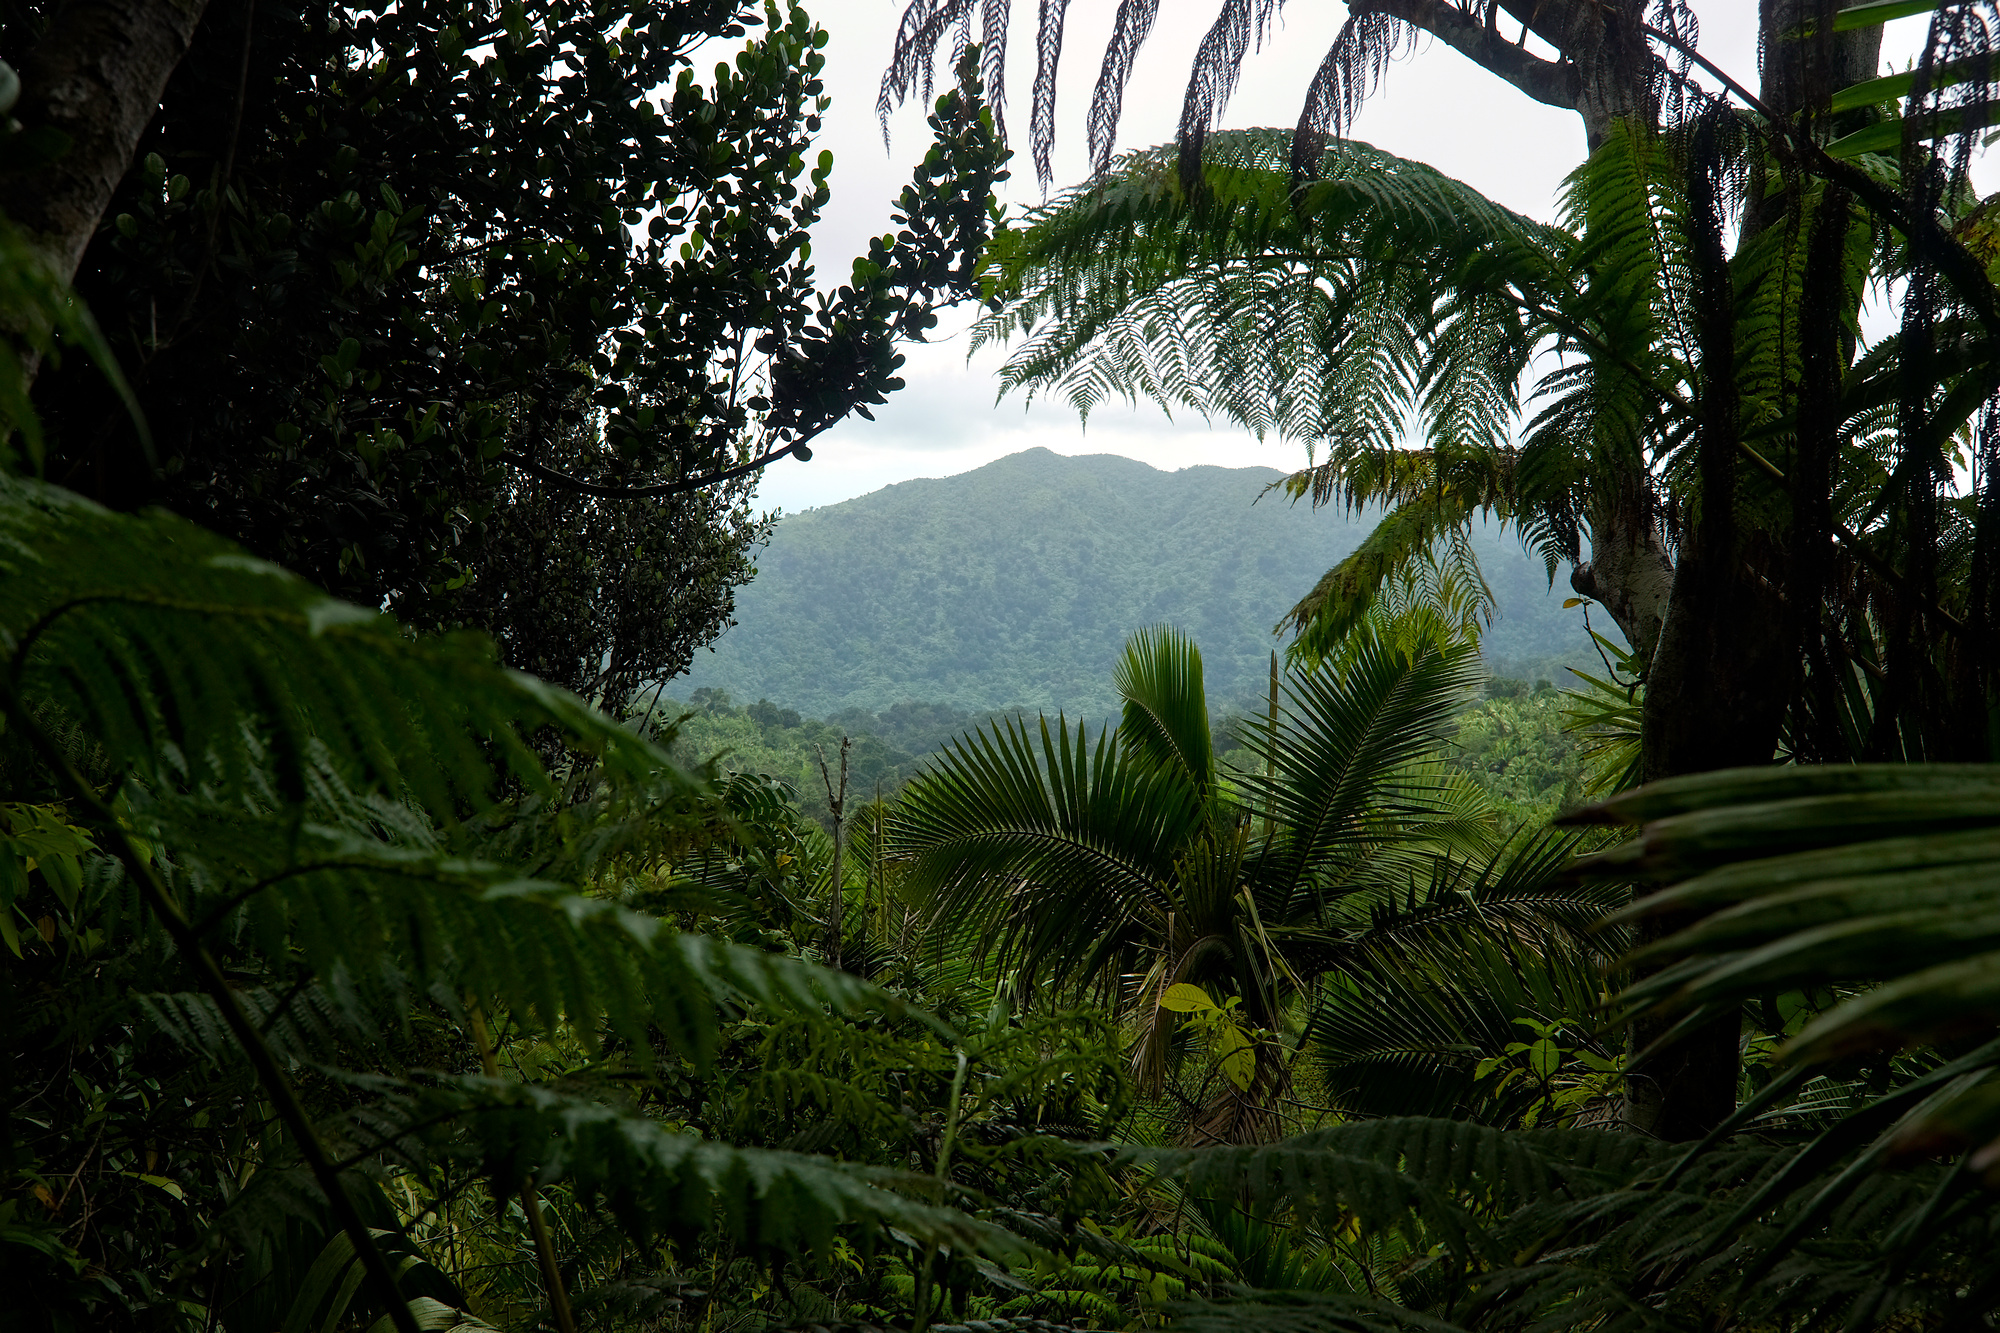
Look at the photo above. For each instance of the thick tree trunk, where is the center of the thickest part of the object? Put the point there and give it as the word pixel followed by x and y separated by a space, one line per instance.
pixel 1799 76
pixel 1630 572
pixel 1605 71
pixel 1728 661
pixel 1606 42
pixel 95 78
pixel 1715 697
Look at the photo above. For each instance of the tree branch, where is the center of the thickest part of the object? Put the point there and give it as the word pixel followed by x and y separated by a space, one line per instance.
pixel 1553 83
pixel 554 478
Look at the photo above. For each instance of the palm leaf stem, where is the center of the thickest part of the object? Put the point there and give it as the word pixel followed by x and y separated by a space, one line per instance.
pixel 209 974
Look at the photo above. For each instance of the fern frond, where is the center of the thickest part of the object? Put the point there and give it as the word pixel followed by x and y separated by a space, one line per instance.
pixel 1386 1173
pixel 668 1183
pixel 196 666
pixel 1377 295
pixel 1303 1312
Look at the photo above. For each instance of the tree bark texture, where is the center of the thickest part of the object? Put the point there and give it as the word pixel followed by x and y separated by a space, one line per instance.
pixel 1550 82
pixel 1801 75
pixel 1630 572
pixel 96 77
pixel 1606 70
pixel 1744 602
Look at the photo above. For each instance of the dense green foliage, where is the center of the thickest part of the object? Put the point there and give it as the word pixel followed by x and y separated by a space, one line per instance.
pixel 762 738
pixel 1015 586
pixel 253 920
pixel 1516 745
pixel 687 1111
pixel 357 982
pixel 417 296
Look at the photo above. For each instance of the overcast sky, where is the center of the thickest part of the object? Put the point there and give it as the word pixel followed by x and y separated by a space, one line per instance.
pixel 1434 106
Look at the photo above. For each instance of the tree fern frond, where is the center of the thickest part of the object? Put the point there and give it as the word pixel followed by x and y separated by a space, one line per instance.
pixel 1129 30
pixel 1326 316
pixel 1306 1312
pixel 1218 62
pixel 668 1183
pixel 1414 579
pixel 1385 1172
pixel 196 666
pixel 1347 74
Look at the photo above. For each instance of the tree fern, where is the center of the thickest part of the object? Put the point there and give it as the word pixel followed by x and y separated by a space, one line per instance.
pixel 1383 299
pixel 306 793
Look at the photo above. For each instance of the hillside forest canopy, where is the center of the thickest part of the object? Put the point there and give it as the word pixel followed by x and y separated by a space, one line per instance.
pixel 384 393
pixel 1013 586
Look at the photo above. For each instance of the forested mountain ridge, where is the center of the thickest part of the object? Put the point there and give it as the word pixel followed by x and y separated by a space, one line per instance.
pixel 1014 585
pixel 366 978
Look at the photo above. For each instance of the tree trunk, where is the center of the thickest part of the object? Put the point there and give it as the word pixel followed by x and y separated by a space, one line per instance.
pixel 1801 75
pixel 96 79
pixel 1729 656
pixel 836 800
pixel 1630 572
pixel 88 89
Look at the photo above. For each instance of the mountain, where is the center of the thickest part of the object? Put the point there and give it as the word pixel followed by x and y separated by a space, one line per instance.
pixel 1016 584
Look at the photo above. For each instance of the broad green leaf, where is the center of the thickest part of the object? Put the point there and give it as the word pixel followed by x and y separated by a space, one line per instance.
pixel 434 1316
pixel 1183 998
pixel 158 1182
pixel 1893 86
pixel 1886 136
pixel 1240 1067
pixel 1880 11
pixel 1237 1055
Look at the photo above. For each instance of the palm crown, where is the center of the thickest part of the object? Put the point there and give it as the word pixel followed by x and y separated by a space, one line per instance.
pixel 1133 862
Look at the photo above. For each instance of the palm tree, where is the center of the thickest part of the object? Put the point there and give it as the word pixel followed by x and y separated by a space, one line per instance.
pixel 1131 864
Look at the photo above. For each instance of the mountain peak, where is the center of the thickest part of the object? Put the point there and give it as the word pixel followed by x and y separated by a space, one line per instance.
pixel 1017 583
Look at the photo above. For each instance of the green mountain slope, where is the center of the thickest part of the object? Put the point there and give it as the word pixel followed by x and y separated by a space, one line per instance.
pixel 1016 584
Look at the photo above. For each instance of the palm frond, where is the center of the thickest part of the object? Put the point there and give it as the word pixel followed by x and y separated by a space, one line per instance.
pixel 1166 708
pixel 1858 874
pixel 1335 757
pixel 1073 843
